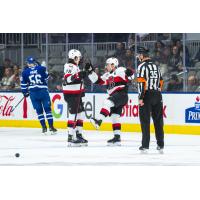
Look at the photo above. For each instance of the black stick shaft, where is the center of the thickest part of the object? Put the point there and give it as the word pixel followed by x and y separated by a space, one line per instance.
pixel 17 104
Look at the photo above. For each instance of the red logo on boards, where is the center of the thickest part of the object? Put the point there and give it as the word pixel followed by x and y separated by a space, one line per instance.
pixel 5 105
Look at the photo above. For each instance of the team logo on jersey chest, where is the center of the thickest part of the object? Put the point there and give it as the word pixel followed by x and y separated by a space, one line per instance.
pixel 111 83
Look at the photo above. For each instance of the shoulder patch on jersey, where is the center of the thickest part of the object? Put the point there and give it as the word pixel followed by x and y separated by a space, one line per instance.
pixel 70 65
pixel 120 69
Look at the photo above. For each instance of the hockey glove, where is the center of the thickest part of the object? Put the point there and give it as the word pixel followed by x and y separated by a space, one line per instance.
pixel 64 82
pixel 82 74
pixel 26 94
pixel 89 68
pixel 78 76
pixel 129 72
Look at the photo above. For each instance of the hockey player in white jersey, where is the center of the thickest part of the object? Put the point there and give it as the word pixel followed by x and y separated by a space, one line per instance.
pixel 73 90
pixel 116 79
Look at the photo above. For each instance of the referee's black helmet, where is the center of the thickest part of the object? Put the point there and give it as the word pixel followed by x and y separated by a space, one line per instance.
pixel 142 50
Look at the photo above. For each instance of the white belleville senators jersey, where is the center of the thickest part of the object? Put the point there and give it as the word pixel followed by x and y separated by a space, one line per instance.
pixel 115 81
pixel 72 87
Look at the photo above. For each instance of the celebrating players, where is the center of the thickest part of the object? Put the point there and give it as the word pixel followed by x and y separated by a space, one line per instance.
pixel 73 89
pixel 116 79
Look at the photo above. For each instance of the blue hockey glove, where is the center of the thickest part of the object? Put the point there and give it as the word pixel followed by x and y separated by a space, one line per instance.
pixel 26 94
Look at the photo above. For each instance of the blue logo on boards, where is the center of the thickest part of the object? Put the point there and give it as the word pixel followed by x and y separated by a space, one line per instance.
pixel 192 115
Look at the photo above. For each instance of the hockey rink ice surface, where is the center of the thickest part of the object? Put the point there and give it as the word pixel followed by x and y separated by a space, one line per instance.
pixel 36 149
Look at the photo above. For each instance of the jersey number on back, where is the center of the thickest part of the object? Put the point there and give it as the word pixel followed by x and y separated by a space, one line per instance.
pixel 35 79
pixel 153 74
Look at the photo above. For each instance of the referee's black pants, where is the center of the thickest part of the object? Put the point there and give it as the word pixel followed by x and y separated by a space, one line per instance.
pixel 153 106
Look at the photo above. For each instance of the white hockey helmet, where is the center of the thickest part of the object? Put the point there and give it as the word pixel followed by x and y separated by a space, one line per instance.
pixel 74 53
pixel 113 61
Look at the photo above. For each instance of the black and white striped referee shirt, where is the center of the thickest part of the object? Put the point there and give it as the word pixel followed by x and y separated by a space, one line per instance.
pixel 149 77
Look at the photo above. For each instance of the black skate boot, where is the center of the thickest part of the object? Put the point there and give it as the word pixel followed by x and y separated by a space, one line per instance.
pixel 84 142
pixel 44 129
pixel 52 130
pixel 160 149
pixel 73 142
pixel 143 150
pixel 95 122
pixel 116 141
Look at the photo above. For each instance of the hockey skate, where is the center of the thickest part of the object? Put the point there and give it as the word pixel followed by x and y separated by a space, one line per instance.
pixel 44 129
pixel 160 149
pixel 73 142
pixel 143 150
pixel 115 141
pixel 95 122
pixel 52 130
pixel 79 136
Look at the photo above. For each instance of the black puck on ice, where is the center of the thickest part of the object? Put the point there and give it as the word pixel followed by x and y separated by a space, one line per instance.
pixel 17 155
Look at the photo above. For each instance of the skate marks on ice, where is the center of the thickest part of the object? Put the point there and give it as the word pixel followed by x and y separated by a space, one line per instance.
pixel 39 150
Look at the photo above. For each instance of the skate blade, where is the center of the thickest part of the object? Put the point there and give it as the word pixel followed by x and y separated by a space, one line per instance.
pixel 53 133
pixel 73 145
pixel 161 151
pixel 94 124
pixel 84 144
pixel 144 151
pixel 48 133
pixel 116 144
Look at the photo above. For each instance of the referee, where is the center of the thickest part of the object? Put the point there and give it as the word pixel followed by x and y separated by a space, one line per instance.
pixel 150 100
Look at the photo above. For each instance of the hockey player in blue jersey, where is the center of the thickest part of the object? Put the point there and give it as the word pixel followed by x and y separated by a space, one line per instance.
pixel 34 83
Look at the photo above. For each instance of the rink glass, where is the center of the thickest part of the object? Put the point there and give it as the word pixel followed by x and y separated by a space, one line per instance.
pixel 177 54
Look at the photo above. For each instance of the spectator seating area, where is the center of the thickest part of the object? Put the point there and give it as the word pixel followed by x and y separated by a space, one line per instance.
pixel 178 65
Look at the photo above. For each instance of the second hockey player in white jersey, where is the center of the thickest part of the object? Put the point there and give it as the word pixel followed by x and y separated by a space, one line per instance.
pixel 116 79
pixel 73 90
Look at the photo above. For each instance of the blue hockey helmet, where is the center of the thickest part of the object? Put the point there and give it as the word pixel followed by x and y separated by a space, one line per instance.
pixel 30 60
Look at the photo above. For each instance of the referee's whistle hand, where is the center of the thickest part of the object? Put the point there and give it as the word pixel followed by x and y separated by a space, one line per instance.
pixel 141 103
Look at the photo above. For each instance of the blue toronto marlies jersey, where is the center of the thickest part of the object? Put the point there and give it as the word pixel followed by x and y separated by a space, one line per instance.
pixel 34 78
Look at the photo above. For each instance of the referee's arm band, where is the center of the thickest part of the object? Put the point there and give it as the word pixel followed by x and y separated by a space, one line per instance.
pixel 141 80
pixel 161 84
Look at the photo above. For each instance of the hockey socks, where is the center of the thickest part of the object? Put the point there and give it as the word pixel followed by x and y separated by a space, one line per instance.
pixel 71 124
pixel 49 118
pixel 42 120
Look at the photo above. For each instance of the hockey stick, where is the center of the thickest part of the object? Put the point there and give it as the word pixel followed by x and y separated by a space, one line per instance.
pixel 178 74
pixel 17 104
pixel 79 99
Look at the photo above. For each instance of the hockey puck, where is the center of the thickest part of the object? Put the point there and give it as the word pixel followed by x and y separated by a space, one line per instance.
pixel 17 155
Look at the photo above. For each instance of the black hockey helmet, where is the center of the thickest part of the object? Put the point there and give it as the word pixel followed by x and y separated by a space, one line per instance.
pixel 142 50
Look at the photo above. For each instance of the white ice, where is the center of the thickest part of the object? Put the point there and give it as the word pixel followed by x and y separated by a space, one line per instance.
pixel 37 149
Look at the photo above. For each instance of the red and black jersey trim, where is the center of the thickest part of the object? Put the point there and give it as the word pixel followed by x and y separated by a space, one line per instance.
pixel 73 92
pixel 120 89
pixel 119 80
pixel 76 81
pixel 115 84
pixel 100 81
